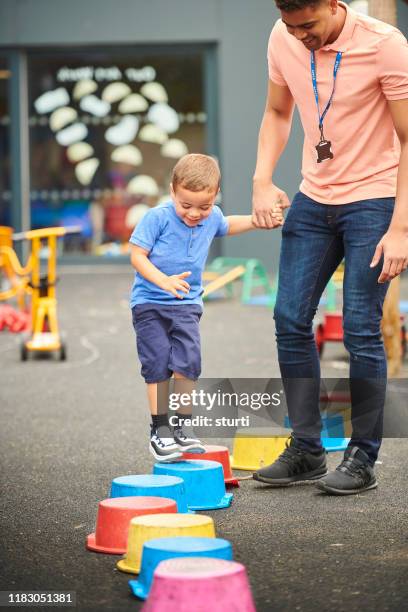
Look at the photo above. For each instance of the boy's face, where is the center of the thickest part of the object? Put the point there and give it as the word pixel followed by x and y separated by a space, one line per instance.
pixel 193 206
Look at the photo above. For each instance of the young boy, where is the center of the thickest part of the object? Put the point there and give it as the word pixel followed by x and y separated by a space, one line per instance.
pixel 169 248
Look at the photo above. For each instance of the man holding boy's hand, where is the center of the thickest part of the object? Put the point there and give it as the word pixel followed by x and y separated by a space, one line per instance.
pixel 348 75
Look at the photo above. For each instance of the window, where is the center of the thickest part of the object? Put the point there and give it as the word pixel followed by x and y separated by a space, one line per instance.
pixel 106 128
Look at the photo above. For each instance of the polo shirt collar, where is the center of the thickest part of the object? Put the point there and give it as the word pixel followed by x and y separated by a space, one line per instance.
pixel 343 42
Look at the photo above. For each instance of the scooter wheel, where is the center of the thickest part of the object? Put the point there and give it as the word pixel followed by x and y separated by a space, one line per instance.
pixel 23 352
pixel 63 352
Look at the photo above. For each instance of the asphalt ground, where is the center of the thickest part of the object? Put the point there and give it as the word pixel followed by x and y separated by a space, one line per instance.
pixel 67 429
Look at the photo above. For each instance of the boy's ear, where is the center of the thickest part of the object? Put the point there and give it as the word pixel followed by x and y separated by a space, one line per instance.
pixel 171 189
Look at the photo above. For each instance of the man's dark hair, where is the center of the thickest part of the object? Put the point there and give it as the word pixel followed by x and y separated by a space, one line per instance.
pixel 295 5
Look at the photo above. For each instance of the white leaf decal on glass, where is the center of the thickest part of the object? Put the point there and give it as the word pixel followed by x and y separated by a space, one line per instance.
pixel 71 134
pixel 123 132
pixel 143 185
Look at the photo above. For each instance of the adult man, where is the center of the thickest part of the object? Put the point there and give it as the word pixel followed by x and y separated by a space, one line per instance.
pixel 348 76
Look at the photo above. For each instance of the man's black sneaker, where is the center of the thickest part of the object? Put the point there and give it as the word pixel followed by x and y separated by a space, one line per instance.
pixel 353 475
pixel 162 445
pixel 187 442
pixel 295 464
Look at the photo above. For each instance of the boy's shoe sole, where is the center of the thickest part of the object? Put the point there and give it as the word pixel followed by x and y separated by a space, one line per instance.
pixel 286 482
pixel 193 448
pixel 333 491
pixel 176 456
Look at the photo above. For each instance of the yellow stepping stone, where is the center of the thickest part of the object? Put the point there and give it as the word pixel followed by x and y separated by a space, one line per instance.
pixel 149 527
pixel 251 452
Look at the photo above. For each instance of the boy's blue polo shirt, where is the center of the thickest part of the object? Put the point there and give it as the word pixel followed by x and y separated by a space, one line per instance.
pixel 174 248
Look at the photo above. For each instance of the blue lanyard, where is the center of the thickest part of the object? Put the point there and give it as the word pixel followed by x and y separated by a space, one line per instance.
pixel 314 80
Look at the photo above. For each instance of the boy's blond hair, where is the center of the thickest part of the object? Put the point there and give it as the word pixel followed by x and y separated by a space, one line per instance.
pixel 196 172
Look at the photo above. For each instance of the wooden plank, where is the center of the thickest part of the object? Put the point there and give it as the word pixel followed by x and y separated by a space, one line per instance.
pixel 223 280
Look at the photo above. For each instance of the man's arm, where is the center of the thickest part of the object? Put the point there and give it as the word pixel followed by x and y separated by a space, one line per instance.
pixel 273 137
pixel 394 244
pixel 142 264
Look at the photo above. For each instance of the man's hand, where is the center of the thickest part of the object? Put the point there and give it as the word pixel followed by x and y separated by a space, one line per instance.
pixel 268 203
pixel 176 283
pixel 394 247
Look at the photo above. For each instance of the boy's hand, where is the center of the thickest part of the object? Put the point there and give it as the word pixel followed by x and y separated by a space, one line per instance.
pixel 277 215
pixel 176 283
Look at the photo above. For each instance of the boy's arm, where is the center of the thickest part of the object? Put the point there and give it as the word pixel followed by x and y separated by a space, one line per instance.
pixel 238 224
pixel 172 284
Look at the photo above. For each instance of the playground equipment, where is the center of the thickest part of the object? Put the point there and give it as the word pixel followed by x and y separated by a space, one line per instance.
pixel 44 336
pixel 331 330
pixel 333 432
pixel 161 549
pixel 13 320
pixel 223 271
pixel 200 584
pixel 219 281
pixel 252 450
pixel 149 527
pixel 136 485
pixel 203 480
pixel 16 278
pixel 114 516
pixel 45 333
pixel 220 454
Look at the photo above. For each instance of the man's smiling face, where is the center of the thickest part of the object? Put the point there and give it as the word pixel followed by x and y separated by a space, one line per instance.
pixel 312 25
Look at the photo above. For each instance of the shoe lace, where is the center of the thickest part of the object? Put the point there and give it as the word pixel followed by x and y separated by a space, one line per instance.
pixel 291 454
pixel 162 442
pixel 158 440
pixel 180 433
pixel 352 467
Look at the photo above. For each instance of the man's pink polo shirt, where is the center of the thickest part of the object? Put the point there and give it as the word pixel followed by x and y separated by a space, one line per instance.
pixel 374 69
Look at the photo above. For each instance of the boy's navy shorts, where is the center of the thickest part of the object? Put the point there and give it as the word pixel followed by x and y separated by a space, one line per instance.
pixel 168 340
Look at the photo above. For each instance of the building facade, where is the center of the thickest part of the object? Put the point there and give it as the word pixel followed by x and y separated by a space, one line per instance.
pixel 98 99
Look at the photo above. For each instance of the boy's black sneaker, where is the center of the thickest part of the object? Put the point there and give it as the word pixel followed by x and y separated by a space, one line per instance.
pixel 353 475
pixel 163 446
pixel 295 464
pixel 187 442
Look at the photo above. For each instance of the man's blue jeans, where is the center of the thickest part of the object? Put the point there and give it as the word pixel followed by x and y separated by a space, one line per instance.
pixel 315 239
